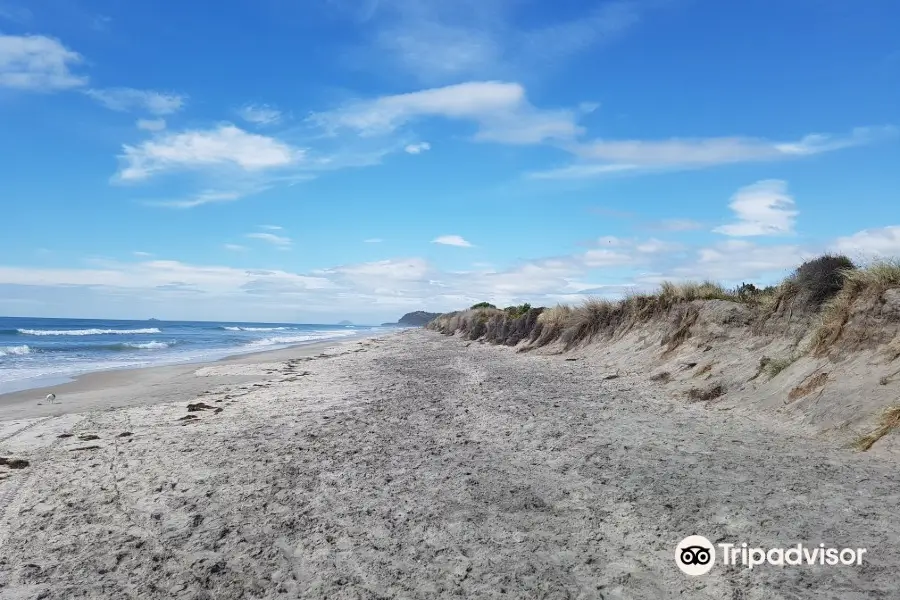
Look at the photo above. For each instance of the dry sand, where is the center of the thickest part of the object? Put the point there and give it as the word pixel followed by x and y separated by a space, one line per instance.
pixel 421 466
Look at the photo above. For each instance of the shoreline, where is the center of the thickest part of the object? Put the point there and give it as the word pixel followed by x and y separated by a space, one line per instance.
pixel 134 386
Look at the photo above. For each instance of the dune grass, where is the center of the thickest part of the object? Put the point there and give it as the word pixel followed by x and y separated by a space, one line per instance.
pixel 890 420
pixel 776 365
pixel 859 286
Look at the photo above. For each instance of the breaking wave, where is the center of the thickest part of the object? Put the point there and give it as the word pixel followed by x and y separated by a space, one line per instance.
pixel 148 345
pixel 14 350
pixel 148 330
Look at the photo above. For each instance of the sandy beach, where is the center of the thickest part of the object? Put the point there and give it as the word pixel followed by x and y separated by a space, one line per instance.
pixel 419 466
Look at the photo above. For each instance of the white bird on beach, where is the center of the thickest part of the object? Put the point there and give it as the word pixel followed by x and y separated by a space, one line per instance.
pixel 51 397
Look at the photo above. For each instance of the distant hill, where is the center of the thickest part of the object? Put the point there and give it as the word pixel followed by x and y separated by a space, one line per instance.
pixel 345 323
pixel 419 318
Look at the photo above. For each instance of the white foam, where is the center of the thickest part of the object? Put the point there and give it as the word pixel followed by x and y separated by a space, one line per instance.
pixel 14 350
pixel 150 345
pixel 88 331
pixel 297 339
pixel 255 328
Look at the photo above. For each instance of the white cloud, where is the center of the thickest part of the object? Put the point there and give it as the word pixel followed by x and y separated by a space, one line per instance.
pixel 142 254
pixel 225 145
pixel 234 247
pixel 406 269
pixel 417 148
pixel 763 208
pixel 460 101
pixel 500 109
pixel 451 240
pixel 271 227
pixel 601 257
pixel 437 41
pixel 655 246
pixel 736 260
pixel 151 124
pixel 583 171
pixel 150 274
pixel 130 99
pixel 199 199
pixel 37 63
pixel 613 251
pixel 881 242
pixel 605 157
pixel 710 151
pixel 677 225
pixel 276 240
pixel 373 241
pixel 261 114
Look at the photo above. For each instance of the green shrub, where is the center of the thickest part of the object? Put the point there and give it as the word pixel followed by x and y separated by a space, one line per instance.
pixel 483 305
pixel 517 311
pixel 820 279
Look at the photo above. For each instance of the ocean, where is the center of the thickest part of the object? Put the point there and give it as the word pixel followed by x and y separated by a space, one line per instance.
pixel 36 352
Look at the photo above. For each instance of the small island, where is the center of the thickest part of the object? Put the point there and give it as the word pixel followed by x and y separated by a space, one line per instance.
pixel 345 323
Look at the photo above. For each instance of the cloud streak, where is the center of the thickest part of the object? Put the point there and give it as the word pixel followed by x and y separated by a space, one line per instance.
pixel 500 110
pixel 279 241
pixel 607 157
pixel 452 240
pixel 436 43
pixel 260 114
pixel 130 99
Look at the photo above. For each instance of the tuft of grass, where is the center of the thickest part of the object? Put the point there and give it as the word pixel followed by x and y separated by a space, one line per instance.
pixel 684 320
pixel 774 366
pixel 592 317
pixel 705 395
pixel 664 377
pixel 550 324
pixel 893 350
pixel 890 419
pixel 859 284
pixel 807 388
pixel 703 370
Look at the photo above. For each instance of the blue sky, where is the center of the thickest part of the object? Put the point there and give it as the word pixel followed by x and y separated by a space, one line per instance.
pixel 313 161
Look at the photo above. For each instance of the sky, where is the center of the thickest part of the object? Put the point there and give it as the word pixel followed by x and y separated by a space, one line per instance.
pixel 319 160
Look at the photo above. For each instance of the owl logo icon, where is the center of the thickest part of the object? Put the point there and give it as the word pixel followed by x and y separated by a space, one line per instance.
pixel 695 555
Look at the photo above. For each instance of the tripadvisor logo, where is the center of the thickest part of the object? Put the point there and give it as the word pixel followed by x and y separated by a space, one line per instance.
pixel 696 555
